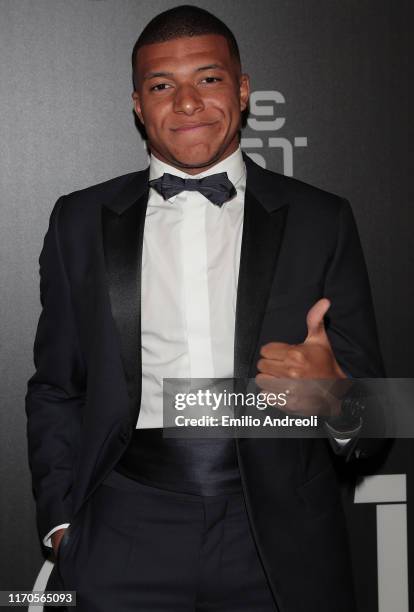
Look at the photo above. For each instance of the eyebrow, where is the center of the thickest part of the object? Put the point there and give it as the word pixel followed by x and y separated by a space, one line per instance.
pixel 152 75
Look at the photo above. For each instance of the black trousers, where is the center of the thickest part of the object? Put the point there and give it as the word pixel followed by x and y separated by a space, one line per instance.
pixel 133 547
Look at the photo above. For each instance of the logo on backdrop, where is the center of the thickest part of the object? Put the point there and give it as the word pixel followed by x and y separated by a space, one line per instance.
pixel 40 584
pixel 266 119
pixel 389 494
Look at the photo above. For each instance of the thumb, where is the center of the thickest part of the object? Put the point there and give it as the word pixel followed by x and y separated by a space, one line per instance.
pixel 314 319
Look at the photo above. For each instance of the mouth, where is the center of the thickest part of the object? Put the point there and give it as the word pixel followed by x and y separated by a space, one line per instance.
pixel 192 126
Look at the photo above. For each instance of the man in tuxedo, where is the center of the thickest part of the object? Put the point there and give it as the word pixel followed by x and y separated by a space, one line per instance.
pixel 203 265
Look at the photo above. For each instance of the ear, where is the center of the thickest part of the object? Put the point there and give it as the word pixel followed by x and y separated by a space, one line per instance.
pixel 244 91
pixel 137 106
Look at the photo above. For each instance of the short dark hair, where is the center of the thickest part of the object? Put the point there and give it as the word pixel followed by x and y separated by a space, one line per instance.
pixel 181 21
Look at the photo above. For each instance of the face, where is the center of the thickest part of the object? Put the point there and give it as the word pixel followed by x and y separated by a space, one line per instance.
pixel 190 95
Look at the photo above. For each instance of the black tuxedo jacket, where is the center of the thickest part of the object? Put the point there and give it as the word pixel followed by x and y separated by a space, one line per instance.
pixel 299 244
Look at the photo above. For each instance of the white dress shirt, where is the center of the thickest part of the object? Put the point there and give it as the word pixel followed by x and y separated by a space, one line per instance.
pixel 190 268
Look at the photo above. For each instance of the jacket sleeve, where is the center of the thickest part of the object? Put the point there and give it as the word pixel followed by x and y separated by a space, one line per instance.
pixel 351 325
pixel 56 392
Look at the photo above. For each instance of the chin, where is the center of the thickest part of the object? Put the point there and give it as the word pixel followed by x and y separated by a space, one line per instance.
pixel 196 156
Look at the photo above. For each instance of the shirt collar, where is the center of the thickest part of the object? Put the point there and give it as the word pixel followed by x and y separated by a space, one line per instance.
pixel 233 165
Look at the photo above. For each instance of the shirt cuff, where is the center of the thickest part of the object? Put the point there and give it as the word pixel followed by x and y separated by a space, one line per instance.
pixel 47 539
pixel 342 442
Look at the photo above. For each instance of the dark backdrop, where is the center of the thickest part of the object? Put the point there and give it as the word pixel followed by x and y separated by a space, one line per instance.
pixel 331 103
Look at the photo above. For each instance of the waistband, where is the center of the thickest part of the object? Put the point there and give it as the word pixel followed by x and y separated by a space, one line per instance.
pixel 199 466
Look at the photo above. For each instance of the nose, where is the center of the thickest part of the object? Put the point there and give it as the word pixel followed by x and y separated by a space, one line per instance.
pixel 187 100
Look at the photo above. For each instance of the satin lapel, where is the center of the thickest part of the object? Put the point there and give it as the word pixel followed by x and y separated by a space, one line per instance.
pixel 122 241
pixel 262 236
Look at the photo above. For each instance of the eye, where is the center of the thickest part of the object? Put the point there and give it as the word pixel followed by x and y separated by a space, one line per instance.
pixel 160 85
pixel 212 79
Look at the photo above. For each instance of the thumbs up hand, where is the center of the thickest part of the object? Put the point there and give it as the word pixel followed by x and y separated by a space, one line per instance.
pixel 312 359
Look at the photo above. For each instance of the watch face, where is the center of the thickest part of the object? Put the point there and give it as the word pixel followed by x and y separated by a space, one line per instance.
pixel 345 425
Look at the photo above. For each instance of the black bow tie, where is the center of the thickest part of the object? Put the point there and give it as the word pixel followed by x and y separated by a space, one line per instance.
pixel 216 187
